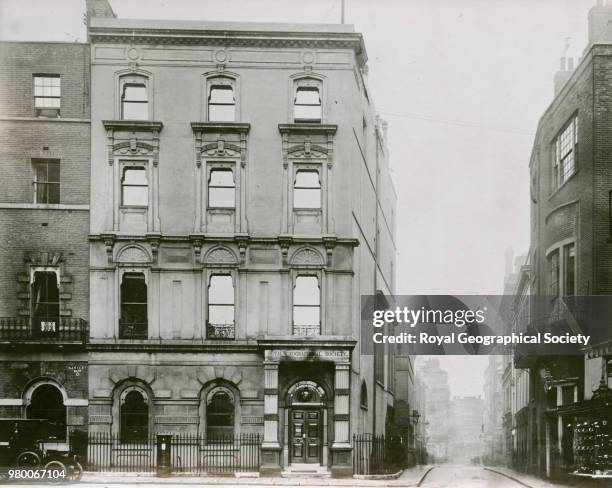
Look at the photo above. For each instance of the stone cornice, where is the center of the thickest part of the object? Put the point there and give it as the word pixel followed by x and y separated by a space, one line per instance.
pixel 133 125
pixel 234 38
pixel 304 128
pixel 221 127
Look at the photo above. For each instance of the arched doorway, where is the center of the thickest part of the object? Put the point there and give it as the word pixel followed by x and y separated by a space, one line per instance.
pixel 134 416
pixel 47 402
pixel 306 402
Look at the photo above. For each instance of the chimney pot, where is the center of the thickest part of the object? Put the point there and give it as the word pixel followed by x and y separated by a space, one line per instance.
pixel 562 64
pixel 570 64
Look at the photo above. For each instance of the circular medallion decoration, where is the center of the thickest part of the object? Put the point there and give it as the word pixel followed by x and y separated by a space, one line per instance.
pixel 308 57
pixel 133 53
pixel 221 56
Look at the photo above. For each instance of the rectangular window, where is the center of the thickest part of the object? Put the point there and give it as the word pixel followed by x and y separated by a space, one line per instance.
pixel 221 189
pixel 134 187
pixel 565 148
pixel 46 182
pixel 220 307
pixel 567 395
pixel 221 104
pixel 45 303
pixel 553 269
pixel 307 189
pixel 47 95
pixel 569 270
pixel 307 104
pixel 134 319
pixel 134 102
pixel 306 306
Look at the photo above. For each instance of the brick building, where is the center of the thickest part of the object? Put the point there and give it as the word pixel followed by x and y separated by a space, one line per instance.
pixel 44 222
pixel 570 255
pixel 241 203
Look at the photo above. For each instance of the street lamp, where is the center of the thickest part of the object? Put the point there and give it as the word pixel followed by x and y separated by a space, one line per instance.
pixel 415 416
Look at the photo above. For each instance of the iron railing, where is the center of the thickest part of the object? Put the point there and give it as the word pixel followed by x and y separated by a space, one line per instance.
pixel 133 330
pixel 63 329
pixel 220 331
pixel 190 454
pixel 377 454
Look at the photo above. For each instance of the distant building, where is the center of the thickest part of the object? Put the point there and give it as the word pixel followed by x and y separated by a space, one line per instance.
pixel 437 408
pixel 465 429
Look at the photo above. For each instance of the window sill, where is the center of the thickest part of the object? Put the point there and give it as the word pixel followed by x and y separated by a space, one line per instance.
pixel 134 207
pixel 44 206
pixel 131 125
pixel 223 127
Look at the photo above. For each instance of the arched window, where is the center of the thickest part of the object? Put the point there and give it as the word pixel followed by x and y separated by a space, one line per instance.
pixel 306 306
pixel 134 417
pixel 221 102
pixel 47 403
pixel 219 414
pixel 134 98
pixel 134 322
pixel 45 303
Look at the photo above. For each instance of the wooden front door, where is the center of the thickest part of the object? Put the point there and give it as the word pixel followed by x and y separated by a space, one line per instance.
pixel 306 436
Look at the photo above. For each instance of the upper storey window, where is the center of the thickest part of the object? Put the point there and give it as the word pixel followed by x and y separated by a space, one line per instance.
pixel 47 181
pixel 307 189
pixel 307 105
pixel 221 189
pixel 565 148
pixel 47 95
pixel 221 104
pixel 134 98
pixel 134 187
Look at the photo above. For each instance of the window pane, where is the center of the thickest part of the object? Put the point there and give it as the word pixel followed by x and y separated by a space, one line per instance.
pixel 306 291
pixel 222 197
pixel 136 195
pixel 41 193
pixel 53 193
pixel 41 173
pixel 569 267
pixel 134 288
pixel 221 94
pixel 221 314
pixel 307 112
pixel 221 177
pixel 54 172
pixel 307 179
pixel 134 176
pixel 306 198
pixel 221 289
pixel 307 95
pixel 221 113
pixel 306 315
pixel 134 93
pixel 135 110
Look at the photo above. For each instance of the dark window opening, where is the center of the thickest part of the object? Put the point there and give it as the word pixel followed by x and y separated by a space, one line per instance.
pixel 134 187
pixel 553 281
pixel 569 266
pixel 363 398
pixel 221 104
pixel 307 104
pixel 221 189
pixel 134 421
pixel 220 416
pixel 48 403
pixel 45 303
pixel 47 182
pixel 134 102
pixel 133 323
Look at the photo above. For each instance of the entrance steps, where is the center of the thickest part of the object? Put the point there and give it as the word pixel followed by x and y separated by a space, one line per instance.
pixel 305 470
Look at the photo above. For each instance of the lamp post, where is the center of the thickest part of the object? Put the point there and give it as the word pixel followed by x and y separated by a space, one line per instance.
pixel 414 445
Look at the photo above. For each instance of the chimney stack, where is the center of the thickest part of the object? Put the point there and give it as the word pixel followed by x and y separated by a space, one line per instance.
pixel 566 68
pixel 98 8
pixel 600 19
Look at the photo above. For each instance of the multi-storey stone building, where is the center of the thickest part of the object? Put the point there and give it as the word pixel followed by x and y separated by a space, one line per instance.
pixel 44 222
pixel 570 255
pixel 241 203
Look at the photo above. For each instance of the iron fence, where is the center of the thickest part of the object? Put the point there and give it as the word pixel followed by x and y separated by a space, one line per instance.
pixel 377 454
pixel 189 453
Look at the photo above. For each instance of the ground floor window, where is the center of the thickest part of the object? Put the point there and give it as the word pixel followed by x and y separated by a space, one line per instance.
pixel 134 417
pixel 220 415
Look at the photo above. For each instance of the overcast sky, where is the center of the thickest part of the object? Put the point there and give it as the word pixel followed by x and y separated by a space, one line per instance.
pixel 462 84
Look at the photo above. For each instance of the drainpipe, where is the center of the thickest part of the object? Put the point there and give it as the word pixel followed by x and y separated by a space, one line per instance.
pixel 376 183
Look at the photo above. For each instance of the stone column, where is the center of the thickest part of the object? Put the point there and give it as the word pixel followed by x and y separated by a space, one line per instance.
pixel 341 449
pixel 270 448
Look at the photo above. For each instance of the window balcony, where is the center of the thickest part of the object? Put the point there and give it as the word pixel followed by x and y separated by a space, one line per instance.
pixel 63 330
pixel 221 331
pixel 306 330
pixel 129 329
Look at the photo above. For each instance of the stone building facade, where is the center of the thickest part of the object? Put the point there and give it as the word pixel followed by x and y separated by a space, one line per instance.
pixel 44 222
pixel 241 203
